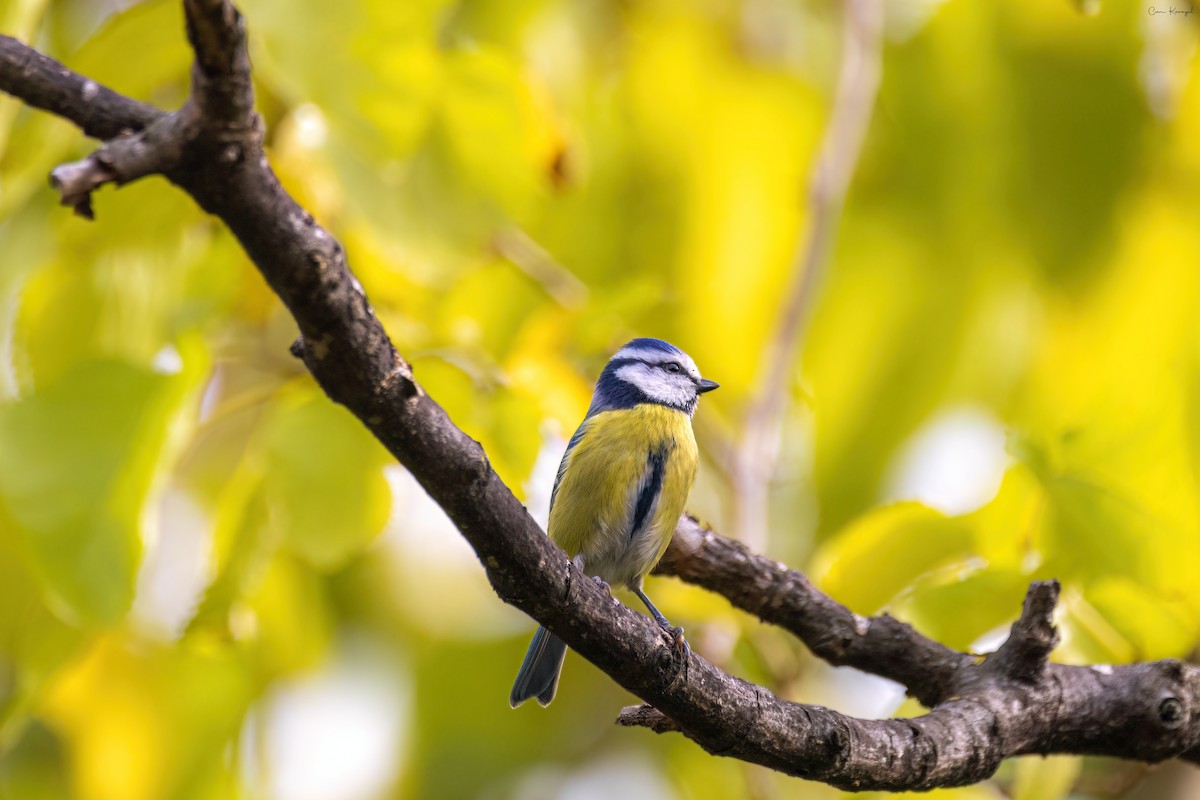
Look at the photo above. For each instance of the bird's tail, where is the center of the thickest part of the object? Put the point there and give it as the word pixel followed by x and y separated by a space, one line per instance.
pixel 539 672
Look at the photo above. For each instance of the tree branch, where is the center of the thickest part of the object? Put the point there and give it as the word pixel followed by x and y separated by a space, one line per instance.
pixel 1024 655
pixel 1013 703
pixel 42 82
pixel 780 596
pixel 156 149
pixel 1029 705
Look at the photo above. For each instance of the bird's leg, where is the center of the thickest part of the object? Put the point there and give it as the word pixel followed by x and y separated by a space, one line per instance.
pixel 675 631
pixel 603 584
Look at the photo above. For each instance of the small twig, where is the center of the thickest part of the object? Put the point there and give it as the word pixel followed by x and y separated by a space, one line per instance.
pixel 157 149
pixel 858 82
pixel 519 249
pixel 75 182
pixel 646 716
pixel 1025 653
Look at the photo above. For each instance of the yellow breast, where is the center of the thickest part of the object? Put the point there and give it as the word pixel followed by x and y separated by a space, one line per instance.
pixel 594 508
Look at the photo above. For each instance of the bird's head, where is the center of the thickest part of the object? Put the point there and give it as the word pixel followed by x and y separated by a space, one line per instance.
pixel 650 371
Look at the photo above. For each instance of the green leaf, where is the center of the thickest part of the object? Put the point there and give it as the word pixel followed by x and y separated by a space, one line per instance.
pixel 36 767
pixel 878 334
pixel 1078 122
pixel 77 463
pixel 324 480
pixel 27 241
pixel 33 642
pixel 1157 626
pixel 885 550
pixel 170 711
pixel 293 621
pixel 134 54
pixel 1090 532
pixel 980 791
pixel 957 609
pixel 504 421
pixel 1045 777
pixel 99 296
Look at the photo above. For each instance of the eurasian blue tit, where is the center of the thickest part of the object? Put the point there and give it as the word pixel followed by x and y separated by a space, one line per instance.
pixel 621 486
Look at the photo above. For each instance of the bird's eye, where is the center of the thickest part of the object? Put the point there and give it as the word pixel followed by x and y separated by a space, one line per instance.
pixel 672 367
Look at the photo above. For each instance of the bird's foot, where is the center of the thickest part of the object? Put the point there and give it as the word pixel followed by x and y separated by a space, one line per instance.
pixel 603 584
pixel 676 634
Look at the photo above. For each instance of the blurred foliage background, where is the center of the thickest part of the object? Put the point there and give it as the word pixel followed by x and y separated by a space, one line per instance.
pixel 213 583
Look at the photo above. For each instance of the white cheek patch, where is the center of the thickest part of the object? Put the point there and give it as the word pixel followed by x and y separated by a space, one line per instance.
pixel 662 387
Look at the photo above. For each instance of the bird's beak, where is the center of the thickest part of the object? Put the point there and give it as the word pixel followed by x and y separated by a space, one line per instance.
pixel 705 385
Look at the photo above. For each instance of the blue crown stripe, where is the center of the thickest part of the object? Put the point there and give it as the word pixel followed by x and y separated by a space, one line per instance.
pixel 656 345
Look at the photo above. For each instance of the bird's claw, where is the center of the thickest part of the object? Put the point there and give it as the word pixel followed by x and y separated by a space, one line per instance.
pixel 676 634
pixel 603 584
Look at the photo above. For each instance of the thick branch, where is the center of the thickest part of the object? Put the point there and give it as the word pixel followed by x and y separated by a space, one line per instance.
pixel 1138 711
pixel 1145 711
pixel 768 589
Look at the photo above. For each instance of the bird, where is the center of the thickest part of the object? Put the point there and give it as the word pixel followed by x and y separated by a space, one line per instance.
pixel 621 486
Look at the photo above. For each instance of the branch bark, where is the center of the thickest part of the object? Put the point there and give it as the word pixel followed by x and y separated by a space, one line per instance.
pixel 1012 703
pixel 783 597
